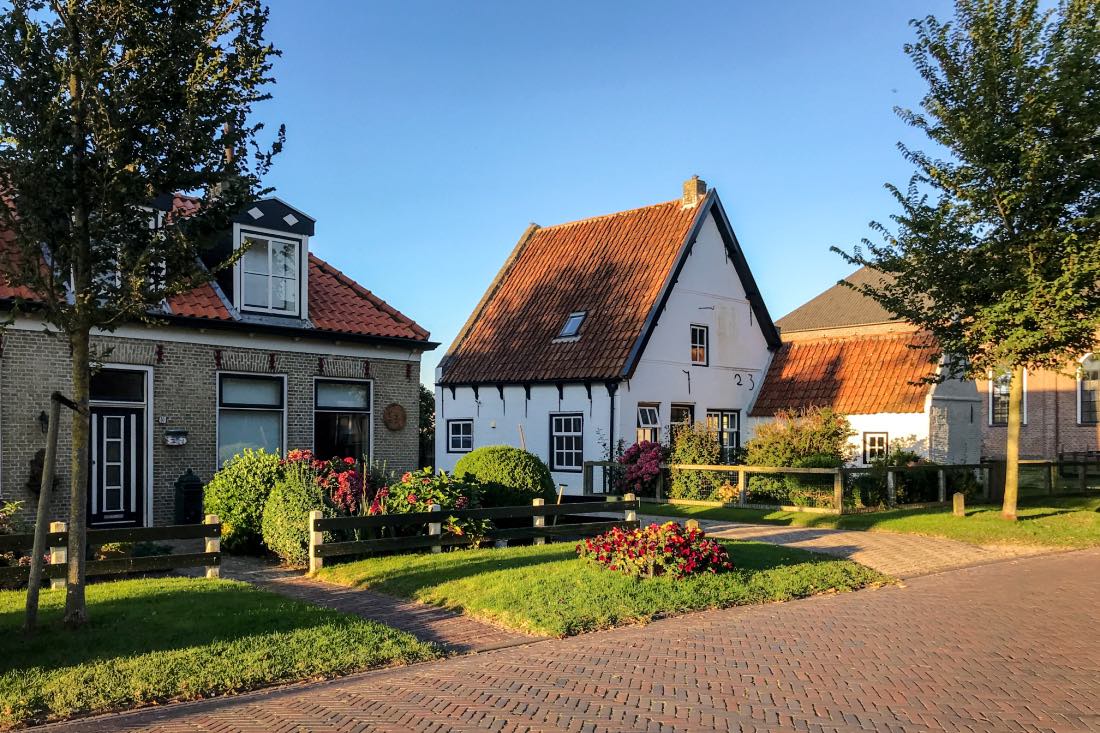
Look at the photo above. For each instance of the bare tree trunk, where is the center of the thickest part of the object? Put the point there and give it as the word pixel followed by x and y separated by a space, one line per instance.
pixel 76 613
pixel 1012 448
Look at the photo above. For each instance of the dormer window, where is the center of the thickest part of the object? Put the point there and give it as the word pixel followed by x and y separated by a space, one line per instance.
pixel 271 274
pixel 572 327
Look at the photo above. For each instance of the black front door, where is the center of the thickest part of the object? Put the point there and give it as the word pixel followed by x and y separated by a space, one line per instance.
pixel 116 486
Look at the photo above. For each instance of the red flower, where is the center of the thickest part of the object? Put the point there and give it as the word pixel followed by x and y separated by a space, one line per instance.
pixel 349 461
pixel 411 498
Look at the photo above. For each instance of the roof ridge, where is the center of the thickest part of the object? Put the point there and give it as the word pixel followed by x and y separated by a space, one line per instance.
pixel 368 295
pixel 613 214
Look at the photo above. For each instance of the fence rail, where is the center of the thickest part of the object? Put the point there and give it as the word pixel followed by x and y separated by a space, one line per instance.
pixel 58 537
pixel 855 489
pixel 539 531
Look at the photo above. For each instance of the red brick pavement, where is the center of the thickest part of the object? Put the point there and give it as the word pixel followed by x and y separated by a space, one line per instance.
pixel 1011 646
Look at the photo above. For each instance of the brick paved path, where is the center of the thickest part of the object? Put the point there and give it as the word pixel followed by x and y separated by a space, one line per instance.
pixel 1011 646
pixel 452 630
pixel 896 554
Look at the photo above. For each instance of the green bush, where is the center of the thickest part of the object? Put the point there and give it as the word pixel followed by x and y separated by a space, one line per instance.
pixel 237 494
pixel 818 435
pixel 695 445
pixel 286 513
pixel 508 476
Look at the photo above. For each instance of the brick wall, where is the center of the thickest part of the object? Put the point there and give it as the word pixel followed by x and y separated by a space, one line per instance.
pixel 1052 426
pixel 33 364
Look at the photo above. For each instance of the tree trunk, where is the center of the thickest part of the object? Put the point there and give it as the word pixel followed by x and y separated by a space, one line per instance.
pixel 76 613
pixel 1012 447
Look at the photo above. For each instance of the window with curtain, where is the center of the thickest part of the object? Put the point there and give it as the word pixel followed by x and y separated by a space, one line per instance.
pixel 270 274
pixel 649 424
pixel 251 412
pixel 341 419
pixel 1088 390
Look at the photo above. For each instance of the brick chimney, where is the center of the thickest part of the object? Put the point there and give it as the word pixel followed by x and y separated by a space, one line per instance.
pixel 695 188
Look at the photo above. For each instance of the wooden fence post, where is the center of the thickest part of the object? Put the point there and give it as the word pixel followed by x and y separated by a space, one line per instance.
pixel 891 489
pixel 435 529
pixel 629 515
pixel 958 507
pixel 742 487
pixel 586 477
pixel 1082 472
pixel 58 555
pixel 316 539
pixel 838 490
pixel 213 544
pixel 987 477
pixel 539 520
pixel 660 482
pixel 942 475
pixel 1052 476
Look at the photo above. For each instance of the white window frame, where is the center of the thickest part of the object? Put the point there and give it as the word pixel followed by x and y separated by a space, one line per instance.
pixel 885 443
pixel 991 380
pixel 218 409
pixel 720 413
pixel 653 427
pixel 240 232
pixel 369 410
pixel 1093 356
pixel 705 330
pixel 555 434
pixel 450 436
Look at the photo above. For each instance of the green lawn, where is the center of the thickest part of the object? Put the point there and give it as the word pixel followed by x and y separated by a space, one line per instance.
pixel 548 590
pixel 175 639
pixel 1053 522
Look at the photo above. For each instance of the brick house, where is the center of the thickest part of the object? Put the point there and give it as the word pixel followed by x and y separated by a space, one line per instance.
pixel 282 351
pixel 842 350
pixel 609 329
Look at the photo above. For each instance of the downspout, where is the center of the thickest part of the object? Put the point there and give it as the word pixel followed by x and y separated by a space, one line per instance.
pixel 612 389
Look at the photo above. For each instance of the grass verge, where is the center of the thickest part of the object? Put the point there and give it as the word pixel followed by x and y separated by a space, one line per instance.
pixel 548 590
pixel 177 639
pixel 1051 522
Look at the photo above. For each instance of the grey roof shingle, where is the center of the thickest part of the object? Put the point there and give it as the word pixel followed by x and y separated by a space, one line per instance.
pixel 839 306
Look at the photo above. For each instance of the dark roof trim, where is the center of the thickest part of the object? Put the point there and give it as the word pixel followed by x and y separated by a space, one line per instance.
pixel 530 382
pixel 740 265
pixel 315 334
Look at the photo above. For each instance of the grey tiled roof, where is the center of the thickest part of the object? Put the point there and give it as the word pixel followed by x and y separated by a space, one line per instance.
pixel 839 306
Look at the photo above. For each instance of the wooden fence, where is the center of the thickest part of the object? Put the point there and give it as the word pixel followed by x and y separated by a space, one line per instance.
pixel 58 537
pixel 989 475
pixel 539 530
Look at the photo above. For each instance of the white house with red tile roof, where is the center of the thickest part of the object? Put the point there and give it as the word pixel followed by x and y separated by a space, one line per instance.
pixel 280 351
pixel 609 329
pixel 842 350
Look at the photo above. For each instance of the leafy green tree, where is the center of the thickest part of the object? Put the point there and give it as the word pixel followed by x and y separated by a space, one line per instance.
pixel 427 427
pixel 106 106
pixel 996 250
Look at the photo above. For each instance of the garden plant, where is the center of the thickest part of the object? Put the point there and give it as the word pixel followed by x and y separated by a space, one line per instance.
pixel 659 549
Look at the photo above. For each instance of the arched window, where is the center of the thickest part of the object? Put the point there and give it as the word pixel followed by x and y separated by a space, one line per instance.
pixel 1088 389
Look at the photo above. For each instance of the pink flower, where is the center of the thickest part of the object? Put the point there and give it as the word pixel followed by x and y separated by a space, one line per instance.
pixel 411 498
pixel 349 461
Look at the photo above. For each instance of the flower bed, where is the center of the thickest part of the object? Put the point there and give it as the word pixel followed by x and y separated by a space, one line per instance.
pixel 665 549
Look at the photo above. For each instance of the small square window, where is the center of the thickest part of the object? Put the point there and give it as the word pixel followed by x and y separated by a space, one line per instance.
pixel 649 424
pixel 876 446
pixel 460 436
pixel 572 325
pixel 699 341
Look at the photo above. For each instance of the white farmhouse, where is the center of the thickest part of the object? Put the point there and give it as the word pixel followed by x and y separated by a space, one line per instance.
pixel 605 330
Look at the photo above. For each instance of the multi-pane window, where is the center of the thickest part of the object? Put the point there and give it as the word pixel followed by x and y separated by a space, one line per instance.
pixel 681 416
pixel 567 442
pixel 572 325
pixel 1000 385
pixel 341 419
pixel 649 424
pixel 726 426
pixel 700 335
pixel 269 274
pixel 460 436
pixel 875 446
pixel 1088 390
pixel 251 412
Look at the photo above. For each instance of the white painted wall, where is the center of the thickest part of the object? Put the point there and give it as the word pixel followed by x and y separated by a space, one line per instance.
pixel 905 430
pixel 709 293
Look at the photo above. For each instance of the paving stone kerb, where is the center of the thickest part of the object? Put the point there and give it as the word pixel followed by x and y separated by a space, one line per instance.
pixel 1004 647
pixel 895 554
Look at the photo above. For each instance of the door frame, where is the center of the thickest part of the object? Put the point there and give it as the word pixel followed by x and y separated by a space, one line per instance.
pixel 147 497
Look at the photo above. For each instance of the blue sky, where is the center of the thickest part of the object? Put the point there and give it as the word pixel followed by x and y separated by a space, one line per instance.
pixel 424 137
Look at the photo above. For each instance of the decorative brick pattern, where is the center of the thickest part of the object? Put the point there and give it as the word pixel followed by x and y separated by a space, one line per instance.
pixel 184 396
pixel 1004 647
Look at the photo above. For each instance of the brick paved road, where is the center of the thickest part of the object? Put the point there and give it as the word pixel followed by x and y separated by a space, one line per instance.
pixel 1011 646
pixel 893 553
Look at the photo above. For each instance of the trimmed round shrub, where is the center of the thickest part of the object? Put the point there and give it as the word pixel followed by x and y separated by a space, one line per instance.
pixel 237 494
pixel 286 513
pixel 508 476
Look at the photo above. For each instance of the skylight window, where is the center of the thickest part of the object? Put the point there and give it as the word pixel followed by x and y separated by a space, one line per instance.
pixel 572 327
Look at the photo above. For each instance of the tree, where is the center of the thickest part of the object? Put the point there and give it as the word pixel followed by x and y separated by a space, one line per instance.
pixel 996 250
pixel 107 106
pixel 427 426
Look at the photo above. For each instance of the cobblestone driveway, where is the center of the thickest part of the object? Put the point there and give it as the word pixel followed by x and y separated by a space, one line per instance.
pixel 1011 646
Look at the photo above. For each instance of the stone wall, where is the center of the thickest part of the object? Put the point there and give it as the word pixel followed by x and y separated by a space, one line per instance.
pixel 33 364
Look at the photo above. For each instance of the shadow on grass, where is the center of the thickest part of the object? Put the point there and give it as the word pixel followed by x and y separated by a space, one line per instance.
pixel 131 624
